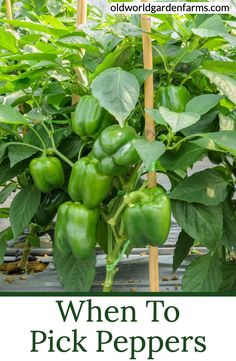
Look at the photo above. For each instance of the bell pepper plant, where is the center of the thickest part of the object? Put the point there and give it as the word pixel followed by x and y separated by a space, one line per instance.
pixel 72 140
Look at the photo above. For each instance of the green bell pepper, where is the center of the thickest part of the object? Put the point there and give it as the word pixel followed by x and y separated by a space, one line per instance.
pixel 87 183
pixel 147 217
pixel 76 229
pixel 173 97
pixel 49 206
pixel 90 118
pixel 137 121
pixel 114 149
pixel 47 173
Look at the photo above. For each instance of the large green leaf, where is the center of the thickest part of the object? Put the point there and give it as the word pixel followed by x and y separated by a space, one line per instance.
pixel 207 187
pixel 117 91
pixel 220 66
pixel 202 223
pixel 35 26
pixel 224 83
pixel 182 158
pixel 223 140
pixel 17 153
pixel 182 248
pixel 6 191
pixel 214 27
pixel 8 41
pixel 23 208
pixel 178 121
pixel 211 27
pixel 75 275
pixel 149 151
pixel 203 275
pixel 203 103
pixel 11 116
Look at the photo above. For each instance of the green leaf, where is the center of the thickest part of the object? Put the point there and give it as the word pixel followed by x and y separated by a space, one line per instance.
pixel 149 151
pixel 6 191
pixel 3 148
pixel 35 26
pixel 207 187
pixel 71 146
pixel 178 121
pixel 220 66
pixel 7 173
pixel 141 74
pixel 182 248
pixel 5 236
pixel 203 103
pixel 207 123
pixel 224 140
pixel 54 7
pixel 224 83
pixel 191 57
pixel 34 240
pixel 182 158
pixel 202 223
pixel 229 277
pixel 203 275
pixel 212 26
pixel 76 42
pixel 32 56
pixel 109 61
pixel 9 115
pixel 23 208
pixel 157 117
pixel 17 153
pixel 119 100
pixel 8 41
pixel 75 275
pixel 126 29
pixel 229 225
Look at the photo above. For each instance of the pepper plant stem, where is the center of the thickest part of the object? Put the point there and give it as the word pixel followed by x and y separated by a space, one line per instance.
pixel 24 259
pixel 108 283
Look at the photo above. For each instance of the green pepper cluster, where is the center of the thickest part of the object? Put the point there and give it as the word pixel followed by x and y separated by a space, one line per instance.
pixel 146 216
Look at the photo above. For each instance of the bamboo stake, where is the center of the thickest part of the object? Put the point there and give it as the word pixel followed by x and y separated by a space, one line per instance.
pixel 150 136
pixel 81 12
pixel 9 10
pixel 81 18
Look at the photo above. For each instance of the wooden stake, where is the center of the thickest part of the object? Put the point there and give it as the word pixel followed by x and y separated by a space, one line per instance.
pixel 81 12
pixel 81 18
pixel 9 11
pixel 150 136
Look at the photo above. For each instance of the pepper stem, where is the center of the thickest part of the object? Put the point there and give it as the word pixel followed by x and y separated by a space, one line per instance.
pixel 24 259
pixel 112 221
pixel 108 283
